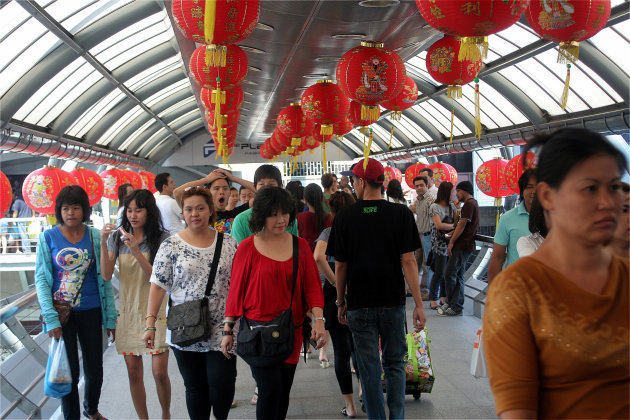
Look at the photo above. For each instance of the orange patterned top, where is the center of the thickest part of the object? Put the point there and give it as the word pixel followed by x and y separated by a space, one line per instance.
pixel 556 348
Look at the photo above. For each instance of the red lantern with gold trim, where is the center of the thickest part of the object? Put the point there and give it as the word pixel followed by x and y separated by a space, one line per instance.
pixel 233 100
pixel 471 20
pixel 371 74
pixel 412 172
pixel 134 179
pixel 444 67
pixel 325 104
pixel 229 121
pixel 275 144
pixel 443 172
pixel 343 127
pixel 216 23
pixel 6 194
pixel 311 143
pixel 292 122
pixel 90 182
pixel 232 74
pixel 148 181
pixel 355 117
pixel 321 138
pixel 112 179
pixel 514 169
pixel 490 178
pixel 392 173
pixel 41 187
pixel 265 151
pixel 405 99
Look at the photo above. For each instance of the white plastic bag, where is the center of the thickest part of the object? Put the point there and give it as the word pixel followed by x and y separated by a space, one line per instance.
pixel 58 381
pixel 478 362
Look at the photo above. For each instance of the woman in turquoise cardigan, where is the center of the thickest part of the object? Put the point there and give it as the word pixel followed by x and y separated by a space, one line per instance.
pixel 68 269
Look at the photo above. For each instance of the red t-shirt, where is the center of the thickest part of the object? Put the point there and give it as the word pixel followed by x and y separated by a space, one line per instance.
pixel 260 288
pixel 307 228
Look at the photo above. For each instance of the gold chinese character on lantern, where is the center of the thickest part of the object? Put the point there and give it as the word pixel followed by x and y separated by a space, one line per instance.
pixel 232 13
pixel 230 26
pixel 437 12
pixel 471 8
pixel 196 12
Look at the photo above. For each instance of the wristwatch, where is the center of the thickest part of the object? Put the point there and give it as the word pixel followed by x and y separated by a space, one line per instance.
pixel 224 333
pixel 340 304
pixel 320 318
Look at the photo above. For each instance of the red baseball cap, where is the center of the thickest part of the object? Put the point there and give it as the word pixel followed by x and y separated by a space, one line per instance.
pixel 374 171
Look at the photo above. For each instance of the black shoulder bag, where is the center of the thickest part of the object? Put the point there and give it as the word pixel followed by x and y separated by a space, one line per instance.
pixel 268 343
pixel 189 322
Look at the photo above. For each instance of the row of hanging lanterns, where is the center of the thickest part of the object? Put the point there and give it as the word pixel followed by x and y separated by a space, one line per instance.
pixel 442 172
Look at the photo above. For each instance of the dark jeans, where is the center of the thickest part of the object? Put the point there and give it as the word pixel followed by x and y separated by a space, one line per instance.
pixel 454 278
pixel 209 378
pixel 439 264
pixel 344 348
pixel 86 326
pixel 274 387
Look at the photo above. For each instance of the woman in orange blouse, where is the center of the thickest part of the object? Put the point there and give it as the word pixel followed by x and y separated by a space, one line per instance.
pixel 556 323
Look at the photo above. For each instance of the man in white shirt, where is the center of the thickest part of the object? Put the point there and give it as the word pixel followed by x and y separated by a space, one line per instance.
pixel 169 209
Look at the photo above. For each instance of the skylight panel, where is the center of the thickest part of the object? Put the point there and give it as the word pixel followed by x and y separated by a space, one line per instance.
pixel 136 50
pixel 129 43
pixel 128 32
pixel 143 129
pixel 95 113
pixel 154 72
pixel 161 132
pixel 176 106
pixel 117 127
pixel 418 133
pixel 176 87
pixel 88 15
pixel 12 16
pixel 352 146
pixel 541 97
pixel 385 135
pixel 612 42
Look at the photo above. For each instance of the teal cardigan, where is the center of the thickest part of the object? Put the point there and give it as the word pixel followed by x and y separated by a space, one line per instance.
pixel 44 285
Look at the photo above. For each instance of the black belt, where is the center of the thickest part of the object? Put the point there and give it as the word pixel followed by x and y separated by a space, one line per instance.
pixel 426 233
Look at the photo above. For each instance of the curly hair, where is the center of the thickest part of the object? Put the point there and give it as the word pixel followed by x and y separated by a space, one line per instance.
pixel 338 200
pixel 269 201
pixel 153 229
pixel 202 192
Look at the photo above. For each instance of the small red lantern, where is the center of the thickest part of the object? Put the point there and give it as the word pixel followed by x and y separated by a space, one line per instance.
pixel 405 99
pixel 412 172
pixel 472 20
pixel 443 172
pixel 227 22
pixel 310 143
pixel 293 123
pixel 443 66
pixel 41 187
pixel 265 151
pixel 342 127
pixel 134 179
pixel 228 121
pixel 325 104
pixel 392 173
pixel 148 181
pixel 233 100
pixel 112 179
pixel 356 119
pixel 490 178
pixel 275 144
pixel 371 74
pixel 514 169
pixel 6 194
pixel 90 182
pixel 230 75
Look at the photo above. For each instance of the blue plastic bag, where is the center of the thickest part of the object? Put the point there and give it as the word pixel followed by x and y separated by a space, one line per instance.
pixel 58 380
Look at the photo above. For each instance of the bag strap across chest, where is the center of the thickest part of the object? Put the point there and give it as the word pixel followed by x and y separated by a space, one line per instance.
pixel 295 266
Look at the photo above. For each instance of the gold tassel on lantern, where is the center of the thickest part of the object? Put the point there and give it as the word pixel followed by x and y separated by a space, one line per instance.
pixel 391 136
pixel 215 54
pixel 395 115
pixel 326 129
pixel 364 129
pixel 565 93
pixel 568 52
pixel 217 97
pixel 296 141
pixel 452 121
pixel 477 110
pixel 324 157
pixel 52 220
pixel 454 91
pixel 497 203
pixel 369 112
pixel 473 48
pixel 366 151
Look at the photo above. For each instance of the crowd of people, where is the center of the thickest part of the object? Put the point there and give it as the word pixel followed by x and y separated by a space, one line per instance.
pixel 342 257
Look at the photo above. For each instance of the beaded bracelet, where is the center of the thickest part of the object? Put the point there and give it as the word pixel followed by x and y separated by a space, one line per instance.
pixel 150 329
pixel 150 316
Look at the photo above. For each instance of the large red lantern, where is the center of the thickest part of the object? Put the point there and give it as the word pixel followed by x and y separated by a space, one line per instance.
pixel 265 151
pixel 325 104
pixel 148 181
pixel 490 178
pixel 112 179
pixel 230 75
pixel 233 100
pixel 443 172
pixel 322 138
pixel 444 67
pixel 405 99
pixel 292 122
pixel 41 187
pixel 134 179
pixel 6 194
pixel 392 173
pixel 412 172
pixel 471 20
pixel 515 168
pixel 371 74
pixel 355 116
pixel 343 127
pixel 222 23
pixel 90 182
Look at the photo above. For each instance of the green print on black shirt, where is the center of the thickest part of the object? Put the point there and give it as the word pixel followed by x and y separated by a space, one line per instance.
pixel 370 209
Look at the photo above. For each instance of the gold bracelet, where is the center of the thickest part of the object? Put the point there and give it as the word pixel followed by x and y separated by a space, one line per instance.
pixel 150 316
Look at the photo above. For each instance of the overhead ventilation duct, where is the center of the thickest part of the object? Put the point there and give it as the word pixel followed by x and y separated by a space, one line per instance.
pixel 36 145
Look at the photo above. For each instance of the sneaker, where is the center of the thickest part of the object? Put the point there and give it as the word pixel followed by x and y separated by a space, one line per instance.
pixel 442 309
pixel 450 312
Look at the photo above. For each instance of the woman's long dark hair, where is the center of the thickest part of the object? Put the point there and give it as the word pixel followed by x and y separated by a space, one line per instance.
pixel 153 229
pixel 537 219
pixel 394 190
pixel 314 197
pixel 444 193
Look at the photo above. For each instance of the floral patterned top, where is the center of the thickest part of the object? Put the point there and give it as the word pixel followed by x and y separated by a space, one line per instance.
pixel 182 270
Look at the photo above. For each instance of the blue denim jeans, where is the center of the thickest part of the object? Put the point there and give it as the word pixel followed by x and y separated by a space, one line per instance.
pixel 438 277
pixel 426 248
pixel 454 278
pixel 366 325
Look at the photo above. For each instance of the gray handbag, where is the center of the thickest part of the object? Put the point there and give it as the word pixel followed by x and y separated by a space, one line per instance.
pixel 189 322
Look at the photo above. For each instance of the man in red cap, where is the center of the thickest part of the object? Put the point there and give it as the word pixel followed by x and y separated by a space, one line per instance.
pixel 373 242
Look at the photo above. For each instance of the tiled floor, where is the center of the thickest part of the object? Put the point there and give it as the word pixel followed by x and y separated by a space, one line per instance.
pixel 315 393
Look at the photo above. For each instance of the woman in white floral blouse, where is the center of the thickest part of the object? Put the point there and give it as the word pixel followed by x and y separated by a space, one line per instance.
pixel 181 268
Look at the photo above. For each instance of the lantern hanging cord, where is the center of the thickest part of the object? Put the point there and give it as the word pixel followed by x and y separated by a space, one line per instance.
pixel 452 119
pixel 391 136
pixel 477 110
pixel 324 157
pixel 366 151
pixel 565 92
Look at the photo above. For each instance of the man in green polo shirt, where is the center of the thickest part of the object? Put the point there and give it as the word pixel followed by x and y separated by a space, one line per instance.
pixel 512 225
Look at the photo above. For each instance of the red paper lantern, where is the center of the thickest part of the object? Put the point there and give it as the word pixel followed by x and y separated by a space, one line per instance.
pixel 472 20
pixel 371 74
pixel 444 67
pixel 233 100
pixel 112 179
pixel 405 99
pixel 490 178
pixel 230 75
pixel 514 169
pixel 355 116
pixel 41 187
pixel 229 121
pixel 310 143
pixel 321 138
pixel 392 173
pixel 275 145
pixel 90 182
pixel 443 172
pixel 265 151
pixel 293 123
pixel 343 127
pixel 134 179
pixel 325 104
pixel 6 194
pixel 226 23
pixel 412 172
pixel 148 181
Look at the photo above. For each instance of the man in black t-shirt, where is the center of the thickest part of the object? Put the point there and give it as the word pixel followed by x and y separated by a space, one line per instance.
pixel 373 242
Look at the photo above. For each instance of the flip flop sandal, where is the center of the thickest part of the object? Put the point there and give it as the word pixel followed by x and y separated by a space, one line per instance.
pixel 254 399
pixel 324 364
pixel 344 412
pixel 97 416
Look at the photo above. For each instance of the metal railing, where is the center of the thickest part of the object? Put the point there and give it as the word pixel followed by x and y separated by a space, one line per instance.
pixel 476 283
pixel 19 235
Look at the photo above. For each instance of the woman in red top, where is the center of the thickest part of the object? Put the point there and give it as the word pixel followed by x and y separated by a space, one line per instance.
pixel 312 222
pixel 260 289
